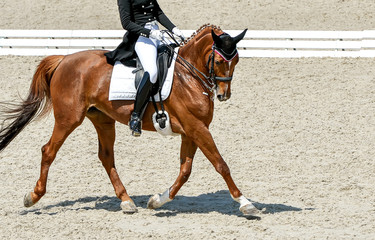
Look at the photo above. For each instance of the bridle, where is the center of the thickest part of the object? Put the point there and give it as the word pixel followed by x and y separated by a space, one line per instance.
pixel 210 81
pixel 223 55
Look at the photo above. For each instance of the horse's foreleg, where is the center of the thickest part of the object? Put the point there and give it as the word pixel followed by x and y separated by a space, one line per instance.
pixel 187 152
pixel 49 151
pixel 203 138
pixel 105 128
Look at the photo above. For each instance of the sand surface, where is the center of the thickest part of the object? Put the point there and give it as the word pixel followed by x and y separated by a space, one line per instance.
pixel 298 135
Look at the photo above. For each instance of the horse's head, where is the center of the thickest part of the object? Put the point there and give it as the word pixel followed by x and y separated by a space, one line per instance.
pixel 223 61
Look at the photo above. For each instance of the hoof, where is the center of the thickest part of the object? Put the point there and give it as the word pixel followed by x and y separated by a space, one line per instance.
pixel 27 201
pixel 128 207
pixel 249 210
pixel 158 200
pixel 154 202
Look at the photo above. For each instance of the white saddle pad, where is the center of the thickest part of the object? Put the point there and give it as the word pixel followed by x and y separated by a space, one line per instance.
pixel 122 82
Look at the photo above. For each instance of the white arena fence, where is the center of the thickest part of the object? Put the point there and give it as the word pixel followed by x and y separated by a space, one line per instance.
pixel 277 44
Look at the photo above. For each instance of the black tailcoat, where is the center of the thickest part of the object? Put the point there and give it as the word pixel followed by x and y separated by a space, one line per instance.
pixel 134 14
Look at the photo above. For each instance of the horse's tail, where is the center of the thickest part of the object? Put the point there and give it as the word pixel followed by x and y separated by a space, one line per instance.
pixel 37 104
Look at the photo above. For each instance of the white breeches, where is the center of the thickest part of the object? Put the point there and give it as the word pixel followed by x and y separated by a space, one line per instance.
pixel 146 49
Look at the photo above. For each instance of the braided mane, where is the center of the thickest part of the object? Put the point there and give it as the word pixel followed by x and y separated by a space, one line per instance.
pixel 214 27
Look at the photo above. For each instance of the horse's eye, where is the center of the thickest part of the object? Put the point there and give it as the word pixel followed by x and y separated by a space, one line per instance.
pixel 217 62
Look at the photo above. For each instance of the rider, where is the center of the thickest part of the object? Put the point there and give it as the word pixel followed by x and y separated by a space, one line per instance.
pixel 139 18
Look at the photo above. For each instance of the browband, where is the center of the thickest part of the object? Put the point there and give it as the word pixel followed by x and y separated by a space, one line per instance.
pixel 225 56
pixel 228 57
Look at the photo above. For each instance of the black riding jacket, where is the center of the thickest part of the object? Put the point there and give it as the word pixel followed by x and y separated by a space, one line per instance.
pixel 134 14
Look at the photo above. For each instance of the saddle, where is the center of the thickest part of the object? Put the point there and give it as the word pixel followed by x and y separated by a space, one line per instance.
pixel 163 61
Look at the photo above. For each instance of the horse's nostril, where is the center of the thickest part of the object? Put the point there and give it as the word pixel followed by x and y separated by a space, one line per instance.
pixel 221 97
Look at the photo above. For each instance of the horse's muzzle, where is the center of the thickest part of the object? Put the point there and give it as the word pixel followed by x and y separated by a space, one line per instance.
pixel 223 97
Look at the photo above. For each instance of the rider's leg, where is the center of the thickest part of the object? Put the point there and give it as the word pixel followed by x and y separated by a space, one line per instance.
pixel 141 100
pixel 147 52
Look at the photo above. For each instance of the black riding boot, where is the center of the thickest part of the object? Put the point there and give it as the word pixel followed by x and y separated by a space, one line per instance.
pixel 141 101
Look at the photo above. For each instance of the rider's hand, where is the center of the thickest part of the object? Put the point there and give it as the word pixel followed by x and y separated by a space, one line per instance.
pixel 178 32
pixel 156 34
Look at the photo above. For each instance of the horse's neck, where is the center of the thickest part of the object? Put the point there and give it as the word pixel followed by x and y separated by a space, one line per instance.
pixel 197 48
pixel 195 52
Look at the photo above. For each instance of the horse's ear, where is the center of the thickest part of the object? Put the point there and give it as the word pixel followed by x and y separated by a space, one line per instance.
pixel 240 37
pixel 215 37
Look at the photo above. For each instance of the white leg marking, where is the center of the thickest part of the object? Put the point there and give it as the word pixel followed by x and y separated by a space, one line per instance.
pixel 158 200
pixel 246 207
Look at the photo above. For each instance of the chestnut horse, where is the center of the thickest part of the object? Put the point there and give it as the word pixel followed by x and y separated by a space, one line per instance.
pixel 77 86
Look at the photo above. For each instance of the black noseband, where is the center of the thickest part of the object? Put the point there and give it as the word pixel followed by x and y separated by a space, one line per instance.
pixel 223 79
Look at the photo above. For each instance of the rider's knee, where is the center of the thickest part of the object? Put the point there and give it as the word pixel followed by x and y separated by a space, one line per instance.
pixel 153 76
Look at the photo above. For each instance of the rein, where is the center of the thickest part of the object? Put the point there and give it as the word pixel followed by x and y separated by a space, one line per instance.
pixel 212 78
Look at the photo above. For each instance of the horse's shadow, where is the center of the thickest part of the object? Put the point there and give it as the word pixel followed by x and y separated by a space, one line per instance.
pixel 219 201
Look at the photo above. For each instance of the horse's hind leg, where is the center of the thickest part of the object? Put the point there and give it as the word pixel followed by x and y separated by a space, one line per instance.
pixel 105 127
pixel 187 152
pixel 62 129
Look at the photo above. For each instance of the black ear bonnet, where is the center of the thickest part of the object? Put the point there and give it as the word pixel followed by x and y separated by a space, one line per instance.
pixel 225 46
